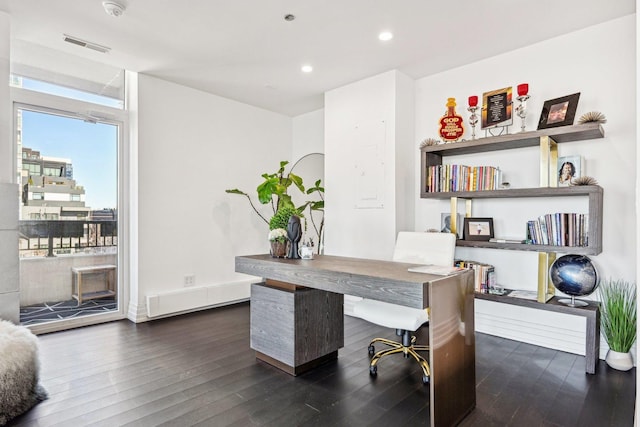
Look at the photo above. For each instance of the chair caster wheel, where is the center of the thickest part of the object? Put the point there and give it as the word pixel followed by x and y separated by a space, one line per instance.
pixel 425 379
pixel 373 371
pixel 372 350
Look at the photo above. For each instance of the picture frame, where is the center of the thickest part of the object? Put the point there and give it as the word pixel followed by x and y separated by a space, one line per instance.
pixel 559 111
pixel 569 167
pixel 479 229
pixel 445 223
pixel 497 108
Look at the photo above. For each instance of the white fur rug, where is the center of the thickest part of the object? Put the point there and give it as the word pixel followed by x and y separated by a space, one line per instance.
pixel 19 371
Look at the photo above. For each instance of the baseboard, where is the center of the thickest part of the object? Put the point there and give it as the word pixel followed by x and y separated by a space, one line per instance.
pixel 185 300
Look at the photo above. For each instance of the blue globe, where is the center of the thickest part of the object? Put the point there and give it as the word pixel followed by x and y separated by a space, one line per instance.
pixel 574 275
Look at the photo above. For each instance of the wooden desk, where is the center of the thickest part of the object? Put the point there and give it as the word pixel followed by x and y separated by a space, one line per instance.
pixel 278 305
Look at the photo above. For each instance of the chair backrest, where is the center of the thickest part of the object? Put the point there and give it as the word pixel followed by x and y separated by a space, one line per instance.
pixel 425 248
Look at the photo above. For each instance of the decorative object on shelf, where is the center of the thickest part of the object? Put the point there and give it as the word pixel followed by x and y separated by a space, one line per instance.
pixel 497 111
pixel 574 275
pixel 505 185
pixel 446 225
pixel 473 118
pixel 294 234
pixel 618 317
pixel 523 96
pixel 478 229
pixel 559 111
pixel 584 180
pixel 592 117
pixel 429 142
pixel 570 168
pixel 451 127
pixel 278 239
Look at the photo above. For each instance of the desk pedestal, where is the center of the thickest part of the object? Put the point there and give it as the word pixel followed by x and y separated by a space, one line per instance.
pixel 295 328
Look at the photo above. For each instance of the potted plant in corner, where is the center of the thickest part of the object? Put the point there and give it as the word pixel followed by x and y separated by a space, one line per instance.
pixel 618 321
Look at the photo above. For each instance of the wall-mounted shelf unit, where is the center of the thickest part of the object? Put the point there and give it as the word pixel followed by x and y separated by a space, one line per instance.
pixel 593 192
pixel 547 140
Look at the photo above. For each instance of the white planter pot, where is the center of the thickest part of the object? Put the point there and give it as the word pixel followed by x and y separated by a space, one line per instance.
pixel 619 361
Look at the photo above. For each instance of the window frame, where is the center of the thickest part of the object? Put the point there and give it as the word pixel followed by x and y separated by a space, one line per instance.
pixel 68 107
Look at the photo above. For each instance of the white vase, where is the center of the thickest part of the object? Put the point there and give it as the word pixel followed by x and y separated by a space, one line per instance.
pixel 619 361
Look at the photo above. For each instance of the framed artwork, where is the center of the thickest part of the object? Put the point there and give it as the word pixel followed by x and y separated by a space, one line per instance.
pixel 445 223
pixel 497 108
pixel 569 167
pixel 559 111
pixel 478 228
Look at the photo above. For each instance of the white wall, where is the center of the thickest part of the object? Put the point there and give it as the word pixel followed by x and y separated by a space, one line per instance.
pixel 192 146
pixel 308 134
pixel 363 138
pixel 554 68
pixel 599 62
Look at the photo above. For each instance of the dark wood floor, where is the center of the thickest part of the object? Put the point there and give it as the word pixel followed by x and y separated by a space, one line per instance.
pixel 197 369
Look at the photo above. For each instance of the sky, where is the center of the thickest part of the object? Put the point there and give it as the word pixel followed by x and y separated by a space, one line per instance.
pixel 91 147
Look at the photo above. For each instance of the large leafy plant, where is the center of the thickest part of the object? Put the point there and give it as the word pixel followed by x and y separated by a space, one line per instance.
pixel 618 314
pixel 274 191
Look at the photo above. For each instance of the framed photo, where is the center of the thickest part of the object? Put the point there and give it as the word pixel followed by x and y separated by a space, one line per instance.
pixel 478 228
pixel 497 108
pixel 445 223
pixel 559 111
pixel 569 167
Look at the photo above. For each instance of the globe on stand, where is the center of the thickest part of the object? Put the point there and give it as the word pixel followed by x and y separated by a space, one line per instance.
pixel 574 275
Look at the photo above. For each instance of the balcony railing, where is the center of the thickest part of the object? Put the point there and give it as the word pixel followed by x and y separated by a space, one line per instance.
pixel 49 237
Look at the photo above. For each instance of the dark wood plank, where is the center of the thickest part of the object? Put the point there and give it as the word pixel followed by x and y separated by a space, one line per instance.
pixel 197 369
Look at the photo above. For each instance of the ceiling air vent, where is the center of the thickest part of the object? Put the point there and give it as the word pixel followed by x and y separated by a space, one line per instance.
pixel 84 43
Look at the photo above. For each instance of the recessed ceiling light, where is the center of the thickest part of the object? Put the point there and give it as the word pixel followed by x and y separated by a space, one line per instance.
pixel 307 68
pixel 385 36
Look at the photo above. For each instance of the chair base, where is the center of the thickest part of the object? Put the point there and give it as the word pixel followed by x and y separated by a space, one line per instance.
pixel 407 347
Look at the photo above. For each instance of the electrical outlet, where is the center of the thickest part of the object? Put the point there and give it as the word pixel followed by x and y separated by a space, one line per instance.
pixel 189 280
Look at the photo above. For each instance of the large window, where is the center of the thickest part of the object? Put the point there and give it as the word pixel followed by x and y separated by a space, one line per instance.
pixel 69 128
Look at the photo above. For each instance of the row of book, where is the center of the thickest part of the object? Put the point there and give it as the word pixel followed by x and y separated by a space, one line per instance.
pixel 484 274
pixel 559 229
pixel 462 178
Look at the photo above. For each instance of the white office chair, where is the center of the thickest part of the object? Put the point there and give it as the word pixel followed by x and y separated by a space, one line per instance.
pixel 411 247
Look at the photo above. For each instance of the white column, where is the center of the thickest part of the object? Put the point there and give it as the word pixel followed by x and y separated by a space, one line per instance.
pixel 9 262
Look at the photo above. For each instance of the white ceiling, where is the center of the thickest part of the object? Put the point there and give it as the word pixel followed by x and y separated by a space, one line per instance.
pixel 245 50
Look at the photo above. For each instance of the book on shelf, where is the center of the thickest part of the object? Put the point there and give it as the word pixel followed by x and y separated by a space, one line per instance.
pixel 559 229
pixel 484 275
pixel 451 178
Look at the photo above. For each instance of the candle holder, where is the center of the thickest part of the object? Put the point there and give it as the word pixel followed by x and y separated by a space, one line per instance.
pixel 521 110
pixel 473 121
pixel 473 118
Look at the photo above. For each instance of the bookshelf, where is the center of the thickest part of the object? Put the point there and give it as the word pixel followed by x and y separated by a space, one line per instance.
pixel 547 140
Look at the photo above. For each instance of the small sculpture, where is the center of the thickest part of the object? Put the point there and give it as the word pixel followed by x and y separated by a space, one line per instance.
pixel 294 234
pixel 592 117
pixel 583 180
pixel 429 142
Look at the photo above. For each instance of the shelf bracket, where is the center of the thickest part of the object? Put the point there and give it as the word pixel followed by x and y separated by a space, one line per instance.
pixel 454 214
pixel 546 290
pixel 548 162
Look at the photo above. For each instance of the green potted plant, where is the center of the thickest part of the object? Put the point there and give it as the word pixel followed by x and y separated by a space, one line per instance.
pixel 274 190
pixel 278 240
pixel 618 317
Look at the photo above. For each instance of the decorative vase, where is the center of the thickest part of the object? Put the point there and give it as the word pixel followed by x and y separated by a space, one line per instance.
pixel 278 249
pixel 619 361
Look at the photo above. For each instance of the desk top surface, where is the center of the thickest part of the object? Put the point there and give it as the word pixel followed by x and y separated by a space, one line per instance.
pixel 382 280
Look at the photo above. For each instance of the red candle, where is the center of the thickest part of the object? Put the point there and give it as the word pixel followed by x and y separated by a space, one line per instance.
pixel 473 101
pixel 523 89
